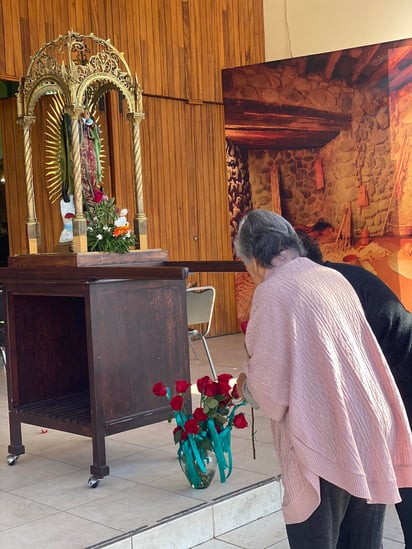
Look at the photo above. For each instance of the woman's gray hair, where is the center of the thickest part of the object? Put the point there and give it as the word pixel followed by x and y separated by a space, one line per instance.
pixel 264 234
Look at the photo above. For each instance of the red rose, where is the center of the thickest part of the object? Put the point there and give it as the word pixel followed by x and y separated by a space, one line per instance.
pixel 203 382
pixel 69 215
pixel 200 415
pixel 224 377
pixel 182 386
pixel 176 403
pixel 239 421
pixel 235 393
pixel 159 389
pixel 192 426
pixel 98 196
pixel 207 386
pixel 223 388
pixel 243 326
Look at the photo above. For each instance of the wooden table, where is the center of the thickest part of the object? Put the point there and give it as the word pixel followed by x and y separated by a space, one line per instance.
pixel 85 344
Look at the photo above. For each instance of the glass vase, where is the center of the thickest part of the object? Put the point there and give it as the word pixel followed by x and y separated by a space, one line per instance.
pixel 198 475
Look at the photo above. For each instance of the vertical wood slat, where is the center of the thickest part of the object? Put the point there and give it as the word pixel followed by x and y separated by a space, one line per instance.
pixel 12 137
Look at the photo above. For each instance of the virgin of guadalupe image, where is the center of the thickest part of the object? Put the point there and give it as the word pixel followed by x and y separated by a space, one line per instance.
pixel 59 174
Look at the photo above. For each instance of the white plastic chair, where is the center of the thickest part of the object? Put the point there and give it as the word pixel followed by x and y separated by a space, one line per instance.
pixel 200 304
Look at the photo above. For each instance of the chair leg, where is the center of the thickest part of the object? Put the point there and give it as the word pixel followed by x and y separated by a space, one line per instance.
pixel 193 349
pixel 212 367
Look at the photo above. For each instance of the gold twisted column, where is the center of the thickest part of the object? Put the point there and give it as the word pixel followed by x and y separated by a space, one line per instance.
pixel 79 221
pixel 32 225
pixel 140 219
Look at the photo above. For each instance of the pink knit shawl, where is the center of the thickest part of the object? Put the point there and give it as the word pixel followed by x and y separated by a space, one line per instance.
pixel 317 371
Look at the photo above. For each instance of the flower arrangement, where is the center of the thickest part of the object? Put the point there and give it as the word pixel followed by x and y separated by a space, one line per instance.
pixel 207 430
pixel 107 228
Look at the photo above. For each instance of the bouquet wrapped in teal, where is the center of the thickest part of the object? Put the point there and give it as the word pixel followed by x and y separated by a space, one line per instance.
pixel 204 435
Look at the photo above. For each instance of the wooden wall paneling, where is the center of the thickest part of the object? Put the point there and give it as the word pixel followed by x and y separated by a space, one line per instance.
pixel 168 188
pixel 96 19
pixel 177 47
pixel 216 50
pixel 149 57
pixel 35 28
pixel 153 174
pixel 26 50
pixel 177 77
pixel 214 237
pixel 176 185
pixel 170 50
pixel 11 30
pixel 118 178
pixel 230 32
pixel 161 24
pixel 154 48
pixel 213 216
pixel 12 136
pixel 119 13
pixel 2 41
pixel 193 34
pixel 165 184
pixel 224 316
pixel 132 28
pixel 186 186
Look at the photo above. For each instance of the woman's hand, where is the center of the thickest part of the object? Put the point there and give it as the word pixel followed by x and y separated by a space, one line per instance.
pixel 240 381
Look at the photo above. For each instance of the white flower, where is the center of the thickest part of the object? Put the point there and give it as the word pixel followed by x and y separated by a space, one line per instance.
pixel 121 221
pixel 99 237
pixel 124 212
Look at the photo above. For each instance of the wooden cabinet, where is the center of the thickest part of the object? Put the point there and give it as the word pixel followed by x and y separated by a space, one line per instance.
pixel 86 345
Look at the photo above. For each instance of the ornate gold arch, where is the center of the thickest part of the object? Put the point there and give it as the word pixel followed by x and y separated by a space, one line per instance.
pixel 81 68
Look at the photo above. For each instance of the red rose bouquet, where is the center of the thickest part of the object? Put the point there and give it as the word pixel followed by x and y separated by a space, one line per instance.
pixel 205 432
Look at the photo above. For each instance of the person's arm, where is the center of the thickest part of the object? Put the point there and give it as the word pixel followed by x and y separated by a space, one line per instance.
pixel 244 391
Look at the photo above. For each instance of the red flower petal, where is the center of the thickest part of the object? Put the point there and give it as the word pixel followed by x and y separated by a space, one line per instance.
pixel 200 415
pixel 176 403
pixel 159 389
pixel 192 426
pixel 240 421
pixel 224 377
pixel 182 386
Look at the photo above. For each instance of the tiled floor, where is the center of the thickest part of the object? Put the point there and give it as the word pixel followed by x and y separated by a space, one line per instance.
pixel 45 502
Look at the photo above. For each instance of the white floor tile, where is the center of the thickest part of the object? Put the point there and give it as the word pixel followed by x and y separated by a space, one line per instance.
pixel 262 533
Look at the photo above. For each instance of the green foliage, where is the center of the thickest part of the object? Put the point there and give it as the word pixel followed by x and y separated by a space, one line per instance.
pixel 107 231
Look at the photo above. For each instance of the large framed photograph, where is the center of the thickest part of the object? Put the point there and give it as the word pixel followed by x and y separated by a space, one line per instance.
pixel 325 140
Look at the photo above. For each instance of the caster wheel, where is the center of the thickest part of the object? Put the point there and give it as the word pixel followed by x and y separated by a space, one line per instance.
pixel 11 460
pixel 93 482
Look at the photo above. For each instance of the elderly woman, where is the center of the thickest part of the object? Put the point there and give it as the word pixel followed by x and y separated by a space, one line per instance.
pixel 316 370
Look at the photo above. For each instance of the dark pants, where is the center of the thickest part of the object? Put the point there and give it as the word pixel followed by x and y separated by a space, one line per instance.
pixel 404 510
pixel 341 521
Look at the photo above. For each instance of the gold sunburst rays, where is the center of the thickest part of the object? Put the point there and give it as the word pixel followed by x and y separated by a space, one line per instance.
pixel 58 150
